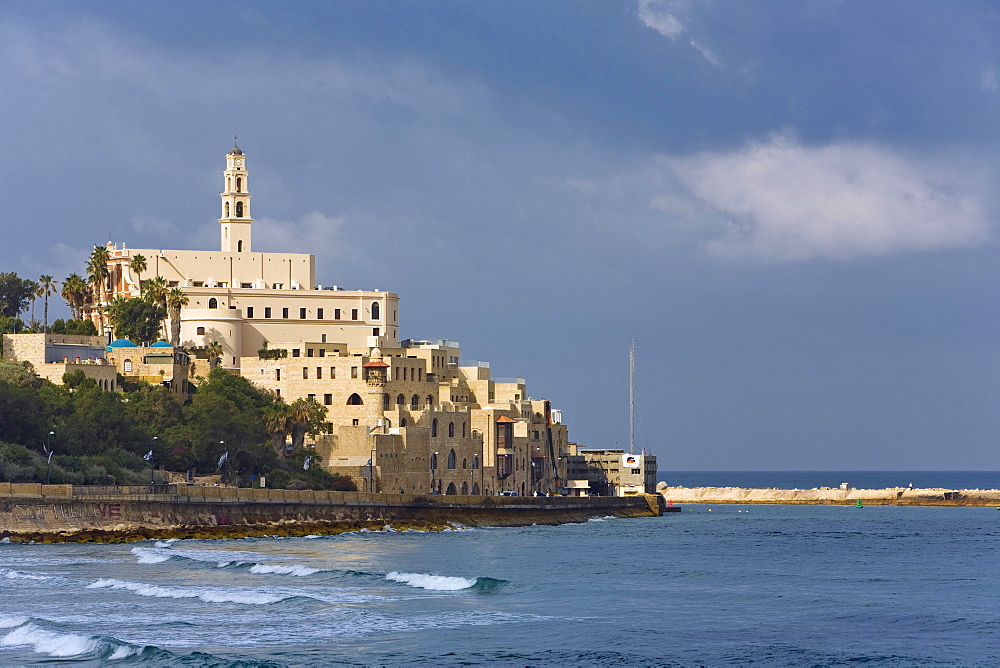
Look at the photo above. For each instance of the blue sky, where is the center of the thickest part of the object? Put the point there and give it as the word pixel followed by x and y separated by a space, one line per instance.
pixel 790 205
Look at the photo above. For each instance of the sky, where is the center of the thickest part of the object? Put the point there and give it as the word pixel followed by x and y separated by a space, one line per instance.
pixel 790 206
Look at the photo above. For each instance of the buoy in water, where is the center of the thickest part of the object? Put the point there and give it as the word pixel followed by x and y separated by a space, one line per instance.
pixel 859 504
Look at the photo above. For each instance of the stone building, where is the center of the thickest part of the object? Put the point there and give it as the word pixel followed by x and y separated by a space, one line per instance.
pixel 54 355
pixel 610 472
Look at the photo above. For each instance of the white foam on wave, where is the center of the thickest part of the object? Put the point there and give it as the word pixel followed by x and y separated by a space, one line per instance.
pixel 18 575
pixel 435 582
pixel 221 558
pixel 8 622
pixel 295 569
pixel 6 540
pixel 50 642
pixel 207 595
pixel 165 543
pixel 123 652
pixel 148 555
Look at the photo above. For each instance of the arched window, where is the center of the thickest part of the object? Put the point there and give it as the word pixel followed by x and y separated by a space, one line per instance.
pixel 451 459
pixel 375 313
pixel 475 489
pixel 451 489
pixel 451 430
pixel 229 184
pixel 239 209
pixel 400 400
pixel 227 210
pixel 475 462
pixel 402 422
pixel 434 460
pixel 434 427
pixel 239 184
pixel 465 488
pixel 465 463
pixel 385 402
pixel 239 246
pixel 213 303
pixel 127 366
pixel 354 400
pixel 430 401
pixel 414 402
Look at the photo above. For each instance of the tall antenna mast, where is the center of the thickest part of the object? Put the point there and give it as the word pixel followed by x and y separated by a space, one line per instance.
pixel 631 398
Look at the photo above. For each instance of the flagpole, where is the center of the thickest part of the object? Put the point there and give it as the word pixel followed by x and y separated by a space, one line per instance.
pixel 152 479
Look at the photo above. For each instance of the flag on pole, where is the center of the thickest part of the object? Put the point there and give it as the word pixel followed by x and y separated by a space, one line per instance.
pixel 149 456
pixel 306 463
pixel 223 458
pixel 49 460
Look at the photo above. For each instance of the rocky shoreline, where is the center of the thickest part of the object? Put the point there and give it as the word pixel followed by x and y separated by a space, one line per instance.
pixel 897 496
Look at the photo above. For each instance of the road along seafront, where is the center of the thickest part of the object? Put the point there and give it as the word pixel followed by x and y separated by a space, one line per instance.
pixel 31 512
pixel 895 496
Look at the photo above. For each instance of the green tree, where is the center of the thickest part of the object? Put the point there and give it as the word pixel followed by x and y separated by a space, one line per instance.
pixel 176 300
pixel 278 422
pixel 214 352
pixel 74 291
pixel 15 293
pixel 134 319
pixel 46 287
pixel 11 325
pixel 97 277
pixel 137 265
pixel 307 417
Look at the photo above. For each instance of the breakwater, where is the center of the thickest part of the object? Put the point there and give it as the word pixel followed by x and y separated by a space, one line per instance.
pixel 900 496
pixel 68 513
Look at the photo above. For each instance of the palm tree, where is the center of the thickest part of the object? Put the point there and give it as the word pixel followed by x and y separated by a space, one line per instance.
pixel 34 294
pixel 137 265
pixel 307 416
pixel 46 287
pixel 155 291
pixel 74 291
pixel 176 300
pixel 214 350
pixel 114 310
pixel 97 276
pixel 278 421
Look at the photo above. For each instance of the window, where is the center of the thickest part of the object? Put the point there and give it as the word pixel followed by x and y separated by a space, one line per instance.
pixel 400 400
pixel 385 402
pixel 414 402
pixel 319 373
pixel 333 372
pixel 277 393
pixel 354 372
pixel 201 331
pixel 375 331
pixel 319 316
pixel 296 352
pixel 302 314
pixel 239 184
pixel 305 372
pixel 451 429
pixel 267 311
pixel 249 311
pixel 420 374
pixel 239 209
pixel 284 312
pixel 430 401
pixel 354 314
pixel 354 400
pixel 309 352
pixel 239 246
pixel 213 303
pixel 336 314
pixel 312 397
pixel 322 352
pixel 463 433
pixel 322 337
pixel 434 427
pixel 375 311
pixel 434 460
pixel 451 459
pixel 402 422
pixel 127 367
pixel 354 422
pixel 227 210
pixel 277 374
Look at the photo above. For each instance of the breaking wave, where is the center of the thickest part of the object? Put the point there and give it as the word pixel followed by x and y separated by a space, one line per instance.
pixel 247 597
pixel 19 575
pixel 295 569
pixel 445 583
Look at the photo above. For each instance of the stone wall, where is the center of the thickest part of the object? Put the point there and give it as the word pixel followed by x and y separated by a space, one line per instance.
pixel 137 512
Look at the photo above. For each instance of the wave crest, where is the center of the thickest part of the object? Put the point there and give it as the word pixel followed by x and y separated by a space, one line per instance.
pixel 207 595
pixel 434 582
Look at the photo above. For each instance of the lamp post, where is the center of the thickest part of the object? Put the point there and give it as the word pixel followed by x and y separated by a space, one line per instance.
pixel 371 471
pixel 152 480
pixel 48 455
pixel 434 461
pixel 222 474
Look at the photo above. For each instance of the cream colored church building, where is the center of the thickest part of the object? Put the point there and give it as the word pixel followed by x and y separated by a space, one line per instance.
pixel 404 416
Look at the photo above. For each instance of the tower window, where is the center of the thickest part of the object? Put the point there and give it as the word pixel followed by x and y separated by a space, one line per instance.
pixel 375 311
pixel 239 184
pixel 227 210
pixel 213 303
pixel 239 209
pixel 239 246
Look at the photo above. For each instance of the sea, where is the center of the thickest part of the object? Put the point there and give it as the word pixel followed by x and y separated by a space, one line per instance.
pixel 710 585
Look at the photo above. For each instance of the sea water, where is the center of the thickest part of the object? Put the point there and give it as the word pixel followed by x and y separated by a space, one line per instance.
pixel 712 585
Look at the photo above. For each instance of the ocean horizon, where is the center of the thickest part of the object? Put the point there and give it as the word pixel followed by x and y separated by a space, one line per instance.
pixel 814 479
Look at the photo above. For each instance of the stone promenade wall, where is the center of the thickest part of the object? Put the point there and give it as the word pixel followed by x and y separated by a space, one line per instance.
pixel 875 497
pixel 65 512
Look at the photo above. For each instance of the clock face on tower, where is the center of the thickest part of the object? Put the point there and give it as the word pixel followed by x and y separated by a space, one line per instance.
pixel 239 162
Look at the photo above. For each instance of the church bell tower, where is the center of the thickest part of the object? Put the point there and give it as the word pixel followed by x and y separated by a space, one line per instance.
pixel 236 218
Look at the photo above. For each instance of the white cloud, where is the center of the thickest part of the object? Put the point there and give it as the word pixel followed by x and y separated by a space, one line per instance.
pixel 706 54
pixel 988 81
pixel 661 16
pixel 314 233
pixel 782 200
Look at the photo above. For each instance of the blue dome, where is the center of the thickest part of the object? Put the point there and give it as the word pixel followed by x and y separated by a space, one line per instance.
pixel 121 343
pixel 161 344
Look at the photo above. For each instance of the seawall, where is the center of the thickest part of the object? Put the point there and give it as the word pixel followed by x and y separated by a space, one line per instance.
pixel 67 513
pixel 875 497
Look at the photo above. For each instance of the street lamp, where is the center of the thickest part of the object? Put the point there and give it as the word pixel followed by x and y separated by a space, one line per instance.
pixel 48 455
pixel 434 461
pixel 152 480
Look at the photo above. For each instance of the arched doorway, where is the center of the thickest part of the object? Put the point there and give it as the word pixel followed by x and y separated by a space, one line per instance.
pixel 475 489
pixel 451 489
